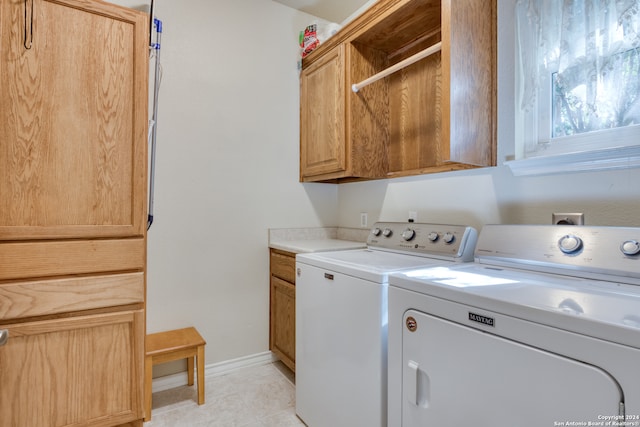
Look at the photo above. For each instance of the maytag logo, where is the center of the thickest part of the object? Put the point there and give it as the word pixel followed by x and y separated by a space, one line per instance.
pixel 489 321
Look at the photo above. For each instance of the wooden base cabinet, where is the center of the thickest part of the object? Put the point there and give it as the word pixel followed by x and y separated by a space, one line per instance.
pixel 437 114
pixel 282 328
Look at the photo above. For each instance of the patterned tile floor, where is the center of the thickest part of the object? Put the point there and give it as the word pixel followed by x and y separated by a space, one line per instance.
pixel 258 396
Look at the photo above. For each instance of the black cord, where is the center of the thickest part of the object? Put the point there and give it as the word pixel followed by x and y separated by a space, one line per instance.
pixel 151 12
pixel 30 40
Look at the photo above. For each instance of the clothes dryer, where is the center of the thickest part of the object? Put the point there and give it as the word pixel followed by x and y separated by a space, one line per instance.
pixel 542 330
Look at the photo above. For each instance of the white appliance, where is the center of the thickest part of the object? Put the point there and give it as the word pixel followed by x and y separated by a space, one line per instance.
pixel 542 330
pixel 341 319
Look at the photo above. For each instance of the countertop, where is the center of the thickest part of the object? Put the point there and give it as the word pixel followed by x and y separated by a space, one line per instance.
pixel 316 245
pixel 317 239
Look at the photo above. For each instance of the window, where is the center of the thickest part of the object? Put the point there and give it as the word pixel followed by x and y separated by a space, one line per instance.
pixel 586 100
pixel 578 83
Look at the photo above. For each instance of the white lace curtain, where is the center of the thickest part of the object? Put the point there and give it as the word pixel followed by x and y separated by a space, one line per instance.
pixel 586 55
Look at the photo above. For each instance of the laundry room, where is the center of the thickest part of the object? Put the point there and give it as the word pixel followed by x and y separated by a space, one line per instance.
pixel 227 178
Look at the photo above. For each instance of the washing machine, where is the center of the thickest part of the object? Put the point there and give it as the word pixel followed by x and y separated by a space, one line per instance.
pixel 543 329
pixel 341 318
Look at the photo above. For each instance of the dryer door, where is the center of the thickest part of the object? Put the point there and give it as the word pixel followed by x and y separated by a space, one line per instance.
pixel 454 375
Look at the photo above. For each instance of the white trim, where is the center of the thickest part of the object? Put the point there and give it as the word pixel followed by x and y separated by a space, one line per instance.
pixel 215 369
pixel 588 141
pixel 358 12
pixel 596 160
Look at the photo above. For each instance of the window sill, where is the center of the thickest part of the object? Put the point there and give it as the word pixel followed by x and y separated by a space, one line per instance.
pixel 586 161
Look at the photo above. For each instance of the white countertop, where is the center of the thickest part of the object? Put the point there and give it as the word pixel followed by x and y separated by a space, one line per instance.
pixel 316 245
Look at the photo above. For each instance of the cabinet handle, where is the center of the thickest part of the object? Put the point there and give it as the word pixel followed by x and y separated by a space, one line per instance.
pixel 4 336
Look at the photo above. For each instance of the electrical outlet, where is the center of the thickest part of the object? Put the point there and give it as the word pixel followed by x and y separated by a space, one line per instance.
pixel 567 218
pixel 413 216
pixel 363 219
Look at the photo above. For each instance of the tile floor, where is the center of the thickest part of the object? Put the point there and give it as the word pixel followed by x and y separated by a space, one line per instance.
pixel 257 396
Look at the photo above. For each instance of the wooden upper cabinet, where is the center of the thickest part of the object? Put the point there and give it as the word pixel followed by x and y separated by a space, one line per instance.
pixel 341 136
pixel 74 122
pixel 322 116
pixel 437 114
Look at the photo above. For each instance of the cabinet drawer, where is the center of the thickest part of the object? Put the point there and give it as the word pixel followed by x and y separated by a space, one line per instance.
pixel 46 297
pixel 60 258
pixel 283 265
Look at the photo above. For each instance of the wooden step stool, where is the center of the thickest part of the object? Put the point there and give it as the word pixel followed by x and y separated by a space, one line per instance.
pixel 174 345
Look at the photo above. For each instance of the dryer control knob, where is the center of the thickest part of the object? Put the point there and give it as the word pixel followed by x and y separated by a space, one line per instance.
pixel 448 237
pixel 433 236
pixel 630 247
pixel 570 244
pixel 376 231
pixel 408 234
pixel 387 232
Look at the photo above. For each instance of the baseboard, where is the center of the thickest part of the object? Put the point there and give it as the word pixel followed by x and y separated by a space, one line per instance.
pixel 215 369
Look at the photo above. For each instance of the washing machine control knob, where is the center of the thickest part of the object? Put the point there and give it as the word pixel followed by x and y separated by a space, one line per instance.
pixel 630 247
pixel 433 236
pixel 448 237
pixel 376 231
pixel 387 232
pixel 408 234
pixel 570 243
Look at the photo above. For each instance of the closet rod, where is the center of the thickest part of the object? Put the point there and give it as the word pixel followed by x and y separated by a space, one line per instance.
pixel 400 65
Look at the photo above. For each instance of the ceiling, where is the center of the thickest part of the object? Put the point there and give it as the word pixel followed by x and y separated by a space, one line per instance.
pixel 330 10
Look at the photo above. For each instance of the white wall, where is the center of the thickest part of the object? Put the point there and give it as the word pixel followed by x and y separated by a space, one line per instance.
pixel 227 168
pixel 494 195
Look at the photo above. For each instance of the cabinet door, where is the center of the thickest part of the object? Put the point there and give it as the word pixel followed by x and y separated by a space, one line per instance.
pixel 73 371
pixel 323 147
pixel 283 321
pixel 73 119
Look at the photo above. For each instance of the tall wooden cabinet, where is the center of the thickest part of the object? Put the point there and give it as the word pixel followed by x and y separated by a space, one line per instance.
pixel 437 114
pixel 73 155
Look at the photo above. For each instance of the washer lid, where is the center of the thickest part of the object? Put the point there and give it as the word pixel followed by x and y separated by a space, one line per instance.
pixel 606 310
pixel 372 265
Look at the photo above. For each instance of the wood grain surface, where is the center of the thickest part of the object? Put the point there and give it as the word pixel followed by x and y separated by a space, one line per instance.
pixel 77 371
pixel 72 159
